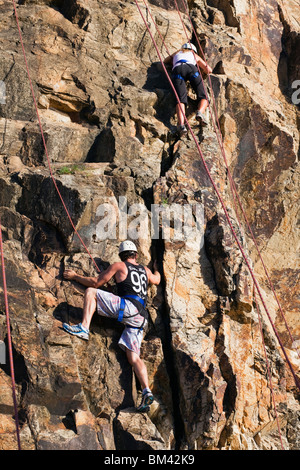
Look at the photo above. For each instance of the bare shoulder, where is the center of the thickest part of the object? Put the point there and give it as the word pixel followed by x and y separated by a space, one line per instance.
pixel 118 266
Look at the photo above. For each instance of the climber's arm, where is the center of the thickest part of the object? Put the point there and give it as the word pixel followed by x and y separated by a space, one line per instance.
pixel 202 64
pixel 71 275
pixel 153 277
pixel 103 278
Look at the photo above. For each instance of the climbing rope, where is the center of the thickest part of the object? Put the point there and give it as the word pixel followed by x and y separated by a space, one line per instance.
pixel 267 363
pixel 44 141
pixel 203 161
pixel 1 244
pixel 236 196
pixel 156 27
pixel 221 202
pixel 231 180
pixel 9 342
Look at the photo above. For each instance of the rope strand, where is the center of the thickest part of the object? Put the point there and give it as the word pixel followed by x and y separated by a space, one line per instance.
pixel 209 175
pixel 235 195
pixel 222 203
pixel 231 180
pixel 44 141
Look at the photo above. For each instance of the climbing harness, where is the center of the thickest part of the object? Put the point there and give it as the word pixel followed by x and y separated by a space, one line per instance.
pixel 177 76
pixel 181 61
pixel 140 305
pixel 121 309
pixel 135 297
pixel 180 77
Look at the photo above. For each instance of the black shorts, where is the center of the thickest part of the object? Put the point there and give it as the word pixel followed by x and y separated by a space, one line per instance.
pixel 180 75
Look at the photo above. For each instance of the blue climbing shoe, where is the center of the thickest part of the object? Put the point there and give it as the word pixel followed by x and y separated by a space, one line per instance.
pixel 77 330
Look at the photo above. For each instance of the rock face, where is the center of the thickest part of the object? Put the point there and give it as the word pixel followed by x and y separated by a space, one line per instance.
pixel 108 117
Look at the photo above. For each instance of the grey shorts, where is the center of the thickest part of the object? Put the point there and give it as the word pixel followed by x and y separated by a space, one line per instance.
pixel 108 305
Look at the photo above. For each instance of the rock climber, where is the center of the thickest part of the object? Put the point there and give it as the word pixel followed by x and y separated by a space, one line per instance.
pixel 128 307
pixel 184 67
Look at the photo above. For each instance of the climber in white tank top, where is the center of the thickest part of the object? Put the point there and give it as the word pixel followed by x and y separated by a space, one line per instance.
pixel 185 63
pixel 185 56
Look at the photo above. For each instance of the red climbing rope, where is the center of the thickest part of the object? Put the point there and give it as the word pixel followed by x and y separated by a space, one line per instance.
pixel 156 27
pixel 236 196
pixel 203 161
pixel 231 180
pixel 9 342
pixel 44 141
pixel 221 144
pixel 233 192
pixel 221 202
pixel 1 245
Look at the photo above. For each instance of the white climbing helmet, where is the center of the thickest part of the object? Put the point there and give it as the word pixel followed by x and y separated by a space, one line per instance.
pixel 127 246
pixel 189 45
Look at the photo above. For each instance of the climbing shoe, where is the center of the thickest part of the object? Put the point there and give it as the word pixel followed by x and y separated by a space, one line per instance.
pixel 77 330
pixel 182 130
pixel 147 400
pixel 201 119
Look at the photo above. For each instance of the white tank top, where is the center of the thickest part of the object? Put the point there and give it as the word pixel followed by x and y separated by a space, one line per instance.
pixel 186 56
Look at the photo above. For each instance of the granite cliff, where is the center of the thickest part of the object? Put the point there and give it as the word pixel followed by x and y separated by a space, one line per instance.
pixel 107 112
